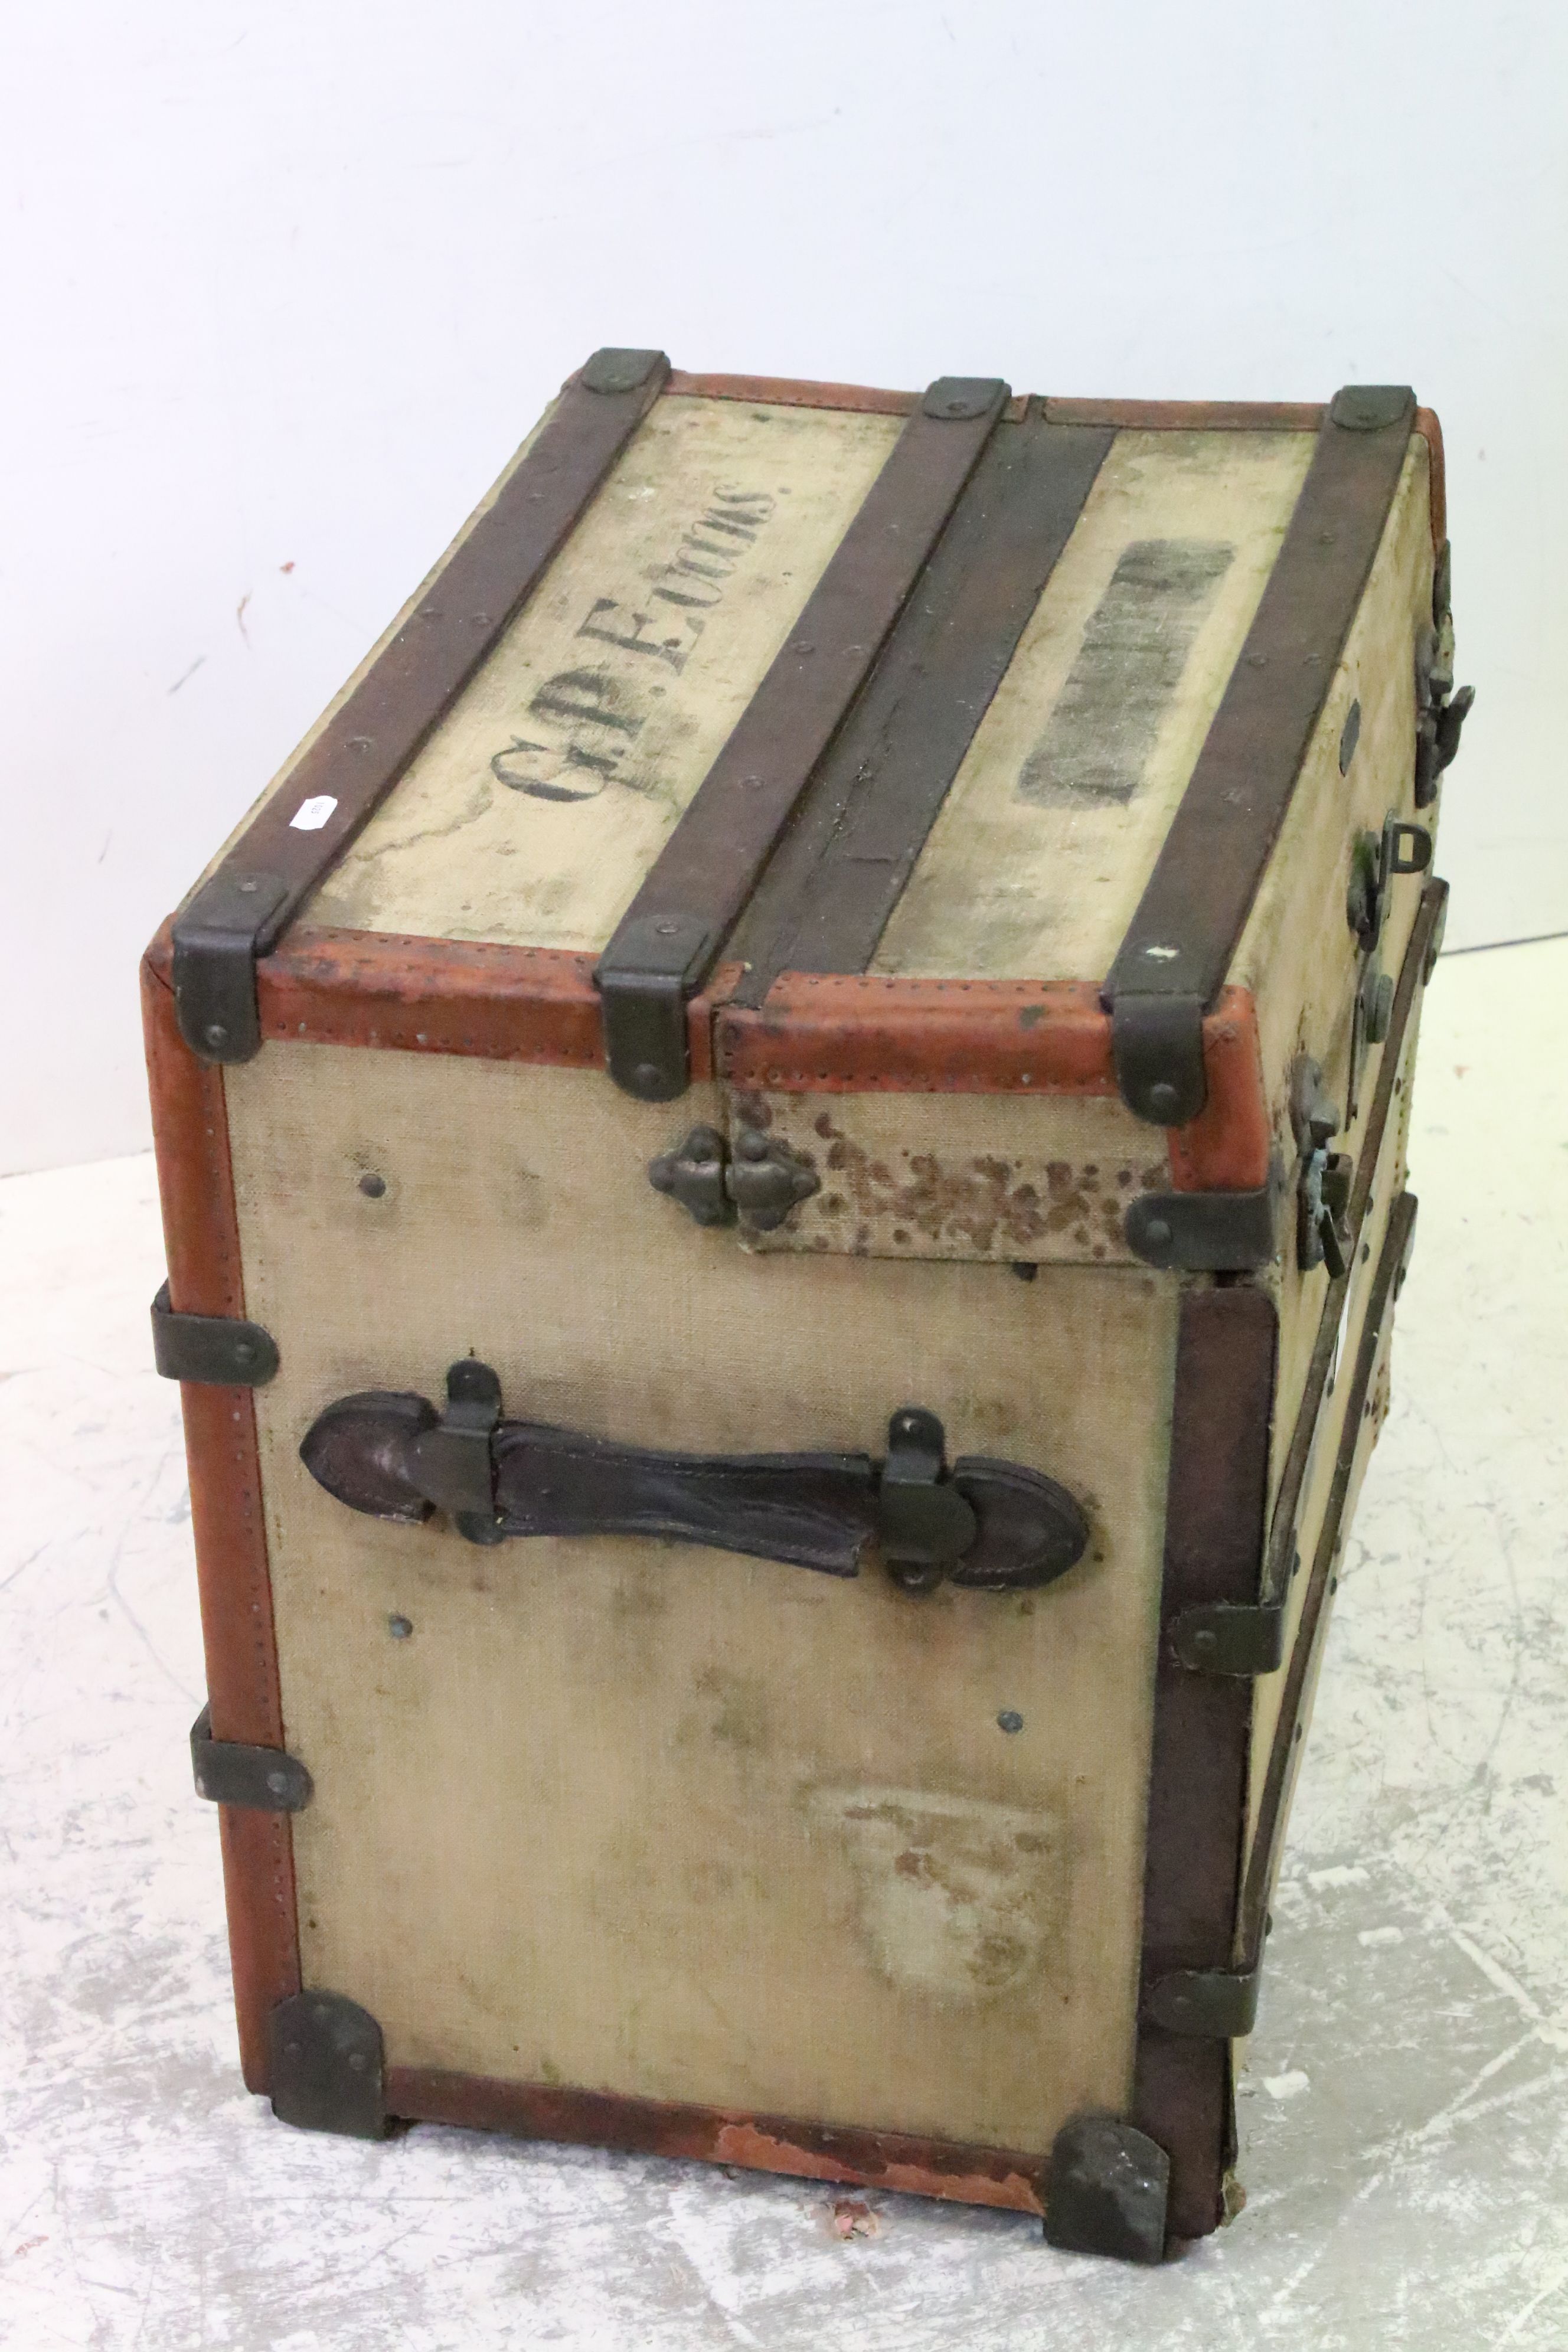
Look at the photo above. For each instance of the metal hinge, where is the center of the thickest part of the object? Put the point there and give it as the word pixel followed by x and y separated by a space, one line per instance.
pixel 760 1183
pixel 222 1351
pixel 1220 2004
pixel 1230 1637
pixel 1204 1233
pixel 262 1779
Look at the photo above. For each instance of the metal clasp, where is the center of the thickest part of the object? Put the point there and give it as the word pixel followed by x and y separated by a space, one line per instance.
pixel 761 1183
pixel 1323 1183
pixel 1440 712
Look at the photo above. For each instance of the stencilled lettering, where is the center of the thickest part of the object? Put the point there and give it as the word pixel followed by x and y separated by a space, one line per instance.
pixel 669 649
pixel 587 720
pixel 1099 739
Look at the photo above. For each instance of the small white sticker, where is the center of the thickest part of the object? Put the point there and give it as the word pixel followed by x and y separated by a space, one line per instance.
pixel 312 816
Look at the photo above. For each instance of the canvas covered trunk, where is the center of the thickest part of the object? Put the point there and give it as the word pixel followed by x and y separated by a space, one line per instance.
pixel 783 1148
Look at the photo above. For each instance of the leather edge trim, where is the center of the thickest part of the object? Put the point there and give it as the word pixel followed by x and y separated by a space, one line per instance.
pixel 1431 431
pixel 1216 1507
pixel 791 391
pixel 324 986
pixel 190 1129
pixel 1226 1148
pixel 868 1032
pixel 852 2155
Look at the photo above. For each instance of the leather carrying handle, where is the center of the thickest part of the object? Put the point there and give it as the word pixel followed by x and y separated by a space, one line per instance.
pixel 987 1525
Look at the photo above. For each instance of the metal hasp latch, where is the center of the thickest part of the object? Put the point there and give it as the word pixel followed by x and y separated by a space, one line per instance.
pixel 990 1526
pixel 1440 712
pixel 1401 848
pixel 219 1351
pixel 761 1183
pixel 231 1773
pixel 1325 1177
pixel 1376 860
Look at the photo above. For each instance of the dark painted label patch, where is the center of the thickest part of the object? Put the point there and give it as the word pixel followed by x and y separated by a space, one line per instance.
pixel 1096 743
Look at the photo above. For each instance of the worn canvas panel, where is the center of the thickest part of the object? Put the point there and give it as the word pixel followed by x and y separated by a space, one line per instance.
pixel 543 796
pixel 1052 826
pixel 661 1821
pixel 1037 1181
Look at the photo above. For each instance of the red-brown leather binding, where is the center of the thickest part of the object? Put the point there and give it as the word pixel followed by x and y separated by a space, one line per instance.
pixel 859 2158
pixel 1132 415
pixel 863 1033
pixel 190 1127
pixel 328 987
pixel 788 392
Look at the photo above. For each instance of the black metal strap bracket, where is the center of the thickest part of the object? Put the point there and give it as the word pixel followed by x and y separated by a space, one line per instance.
pixel 1220 2004
pixel 454 1463
pixel 1157 1043
pixel 328 2065
pixel 643 979
pixel 231 922
pixel 261 1779
pixel 1205 1233
pixel 1230 1637
pixel 221 1351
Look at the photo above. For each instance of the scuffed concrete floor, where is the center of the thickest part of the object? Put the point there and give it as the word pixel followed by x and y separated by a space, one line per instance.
pixel 1405 2147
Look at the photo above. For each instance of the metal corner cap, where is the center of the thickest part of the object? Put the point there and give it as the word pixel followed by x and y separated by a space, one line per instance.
pixel 960 398
pixel 614 369
pixel 1109 2190
pixel 1371 407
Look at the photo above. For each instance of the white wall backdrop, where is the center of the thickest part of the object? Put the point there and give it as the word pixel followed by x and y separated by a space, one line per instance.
pixel 284 285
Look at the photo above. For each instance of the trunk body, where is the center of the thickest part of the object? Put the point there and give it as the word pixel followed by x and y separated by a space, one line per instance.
pixel 828 910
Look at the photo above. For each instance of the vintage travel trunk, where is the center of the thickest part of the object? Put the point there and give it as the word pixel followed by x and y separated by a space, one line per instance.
pixel 783 1150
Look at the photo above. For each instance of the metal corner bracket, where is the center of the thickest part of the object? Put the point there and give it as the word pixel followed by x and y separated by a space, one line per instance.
pixel 221 1351
pixel 328 2065
pixel 260 1780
